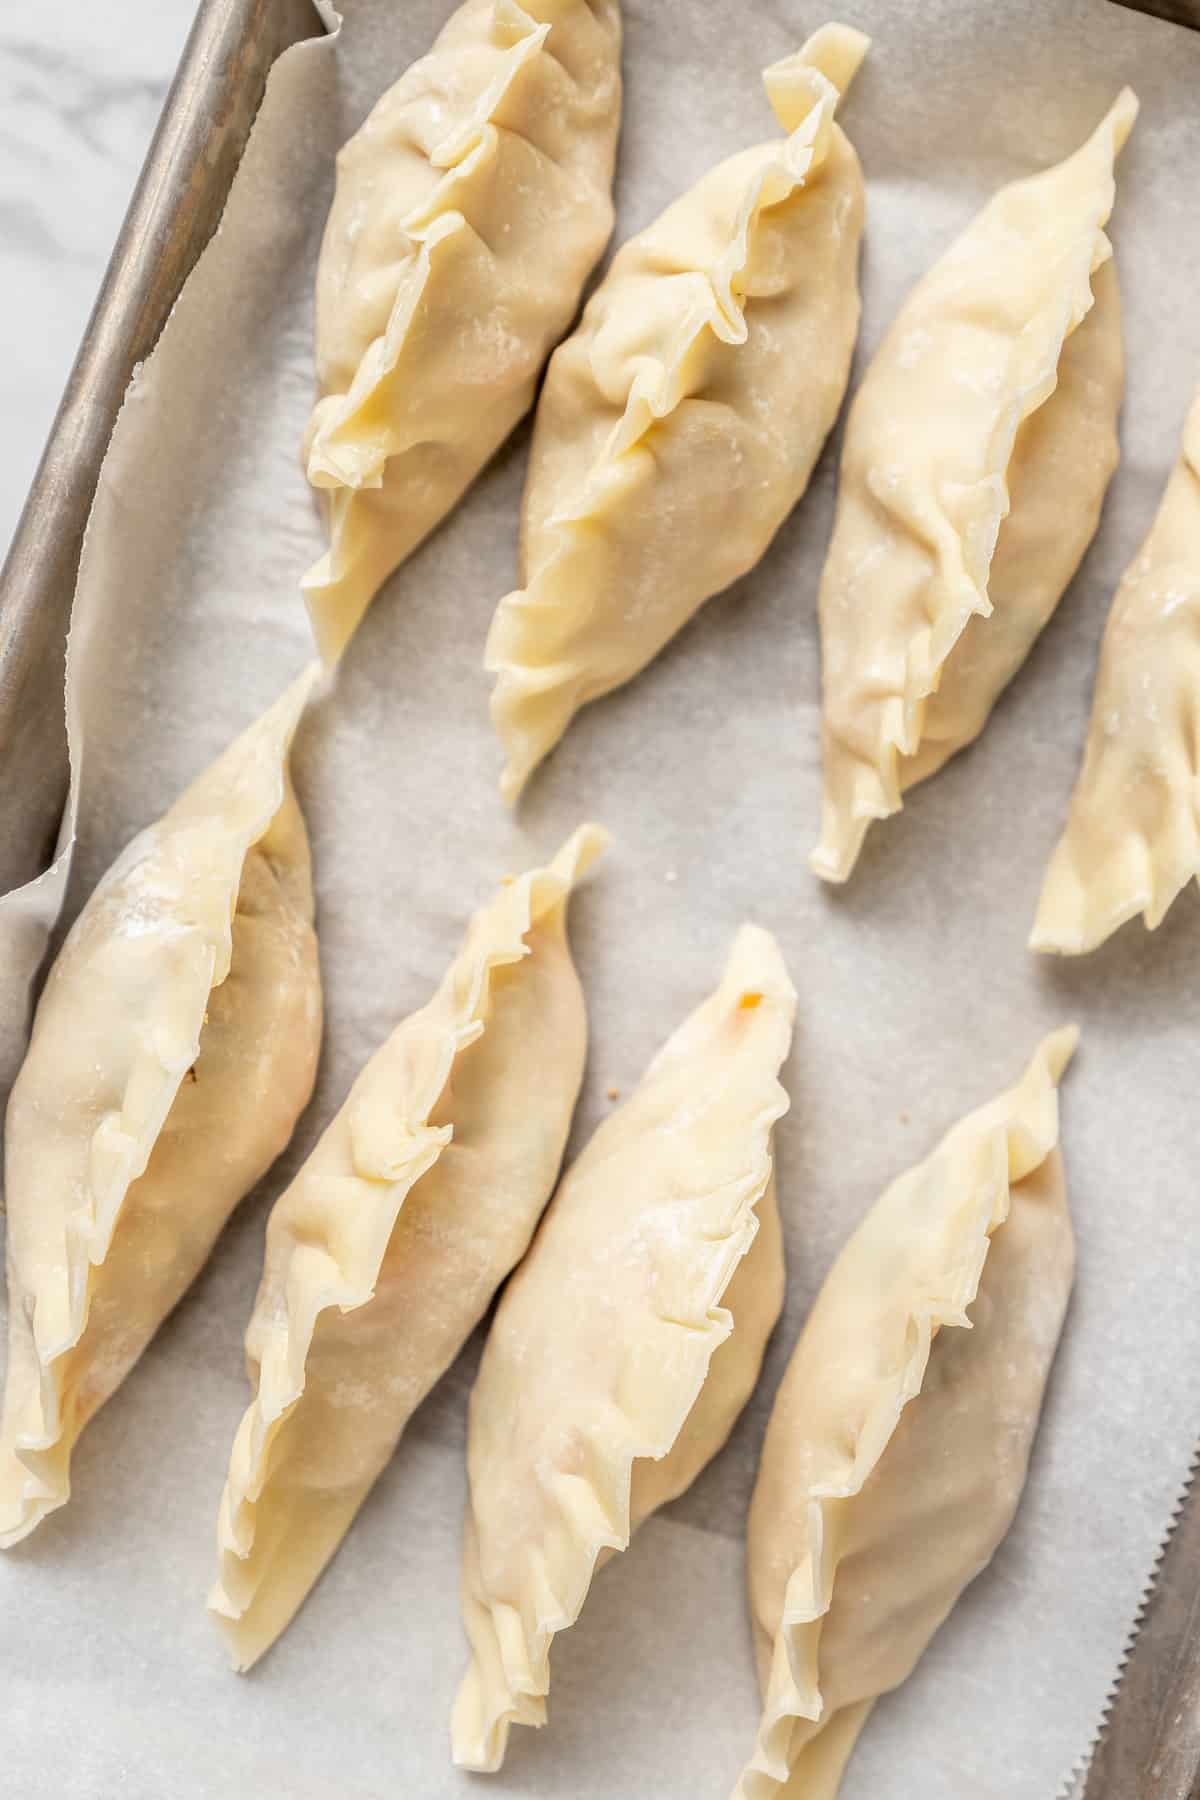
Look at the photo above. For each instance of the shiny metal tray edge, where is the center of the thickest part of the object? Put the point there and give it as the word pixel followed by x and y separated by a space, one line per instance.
pixel 1172 12
pixel 1149 1748
pixel 175 209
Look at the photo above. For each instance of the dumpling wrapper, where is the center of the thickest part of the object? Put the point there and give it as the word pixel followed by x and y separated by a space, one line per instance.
pixel 1063 459
pixel 174 1048
pixel 386 1250
pixel 610 1377
pixel 679 425
pixel 470 209
pixel 1132 840
pixel 977 453
pixel 898 1446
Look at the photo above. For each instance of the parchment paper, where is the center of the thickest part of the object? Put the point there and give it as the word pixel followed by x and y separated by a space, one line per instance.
pixel 918 999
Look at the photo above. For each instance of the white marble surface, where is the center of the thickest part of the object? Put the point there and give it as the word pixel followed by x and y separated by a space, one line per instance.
pixel 81 86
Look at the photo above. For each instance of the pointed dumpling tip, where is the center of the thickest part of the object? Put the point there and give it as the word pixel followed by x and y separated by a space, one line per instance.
pixel 580 851
pixel 834 52
pixel 1120 117
pixel 1057 1050
pixel 477 1740
pixel 1053 936
pixel 837 51
pixel 511 784
pixel 757 968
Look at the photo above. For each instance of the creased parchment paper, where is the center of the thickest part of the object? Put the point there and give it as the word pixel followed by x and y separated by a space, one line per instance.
pixel 917 997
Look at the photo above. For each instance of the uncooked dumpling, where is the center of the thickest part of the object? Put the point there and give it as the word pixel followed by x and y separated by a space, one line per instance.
pixel 384 1253
pixel 898 1445
pixel 612 1342
pixel 1132 840
pixel 470 208
pixel 977 453
pixel 680 423
pixel 173 1049
pixel 1059 471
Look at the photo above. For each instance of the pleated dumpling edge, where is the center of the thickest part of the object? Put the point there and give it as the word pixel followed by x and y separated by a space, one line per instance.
pixel 490 158
pixel 947 1209
pixel 130 994
pixel 1131 842
pixel 671 391
pixel 334 1225
pixel 350 437
pixel 923 487
pixel 658 1214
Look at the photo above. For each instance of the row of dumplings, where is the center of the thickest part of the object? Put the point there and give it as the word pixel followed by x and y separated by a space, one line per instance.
pixel 173 1049
pixel 177 1038
pixel 679 424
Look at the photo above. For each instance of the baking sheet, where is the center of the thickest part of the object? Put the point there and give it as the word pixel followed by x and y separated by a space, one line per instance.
pixel 918 999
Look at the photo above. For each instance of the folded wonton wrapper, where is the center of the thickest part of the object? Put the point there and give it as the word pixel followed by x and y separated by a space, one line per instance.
pixel 470 208
pixel 612 1342
pixel 898 1445
pixel 384 1253
pixel 680 423
pixel 1132 840
pixel 174 1047
pixel 977 453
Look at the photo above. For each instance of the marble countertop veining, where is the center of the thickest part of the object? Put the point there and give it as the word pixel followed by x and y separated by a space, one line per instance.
pixel 81 87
